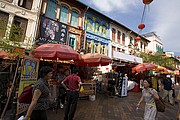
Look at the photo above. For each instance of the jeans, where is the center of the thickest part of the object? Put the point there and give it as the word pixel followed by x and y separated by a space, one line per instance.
pixel 62 92
pixel 72 99
pixel 38 115
pixel 168 93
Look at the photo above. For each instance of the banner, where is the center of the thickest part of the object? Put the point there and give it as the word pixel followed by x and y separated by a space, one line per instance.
pixel 29 75
pixel 124 86
pixel 51 31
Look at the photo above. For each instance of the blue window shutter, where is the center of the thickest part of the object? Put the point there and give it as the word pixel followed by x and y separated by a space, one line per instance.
pixel 74 18
pixel 64 13
pixel 51 9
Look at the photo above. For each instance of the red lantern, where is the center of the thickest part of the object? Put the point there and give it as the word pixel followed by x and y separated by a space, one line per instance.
pixel 141 26
pixel 163 54
pixel 178 57
pixel 147 1
pixel 138 38
pixel 136 44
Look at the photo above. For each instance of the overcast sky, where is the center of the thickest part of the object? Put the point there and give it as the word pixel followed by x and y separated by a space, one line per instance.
pixel 162 17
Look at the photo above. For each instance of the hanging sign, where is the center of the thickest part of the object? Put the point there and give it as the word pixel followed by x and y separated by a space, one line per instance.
pixel 29 75
pixel 51 31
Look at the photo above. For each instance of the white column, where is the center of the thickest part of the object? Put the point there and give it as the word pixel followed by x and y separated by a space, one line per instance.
pixel 44 5
pixel 79 21
pixel 116 35
pixel 35 5
pixel 21 2
pixel 29 34
pixel 10 21
pixel 110 50
pixel 57 13
pixel 69 16
pixel 15 2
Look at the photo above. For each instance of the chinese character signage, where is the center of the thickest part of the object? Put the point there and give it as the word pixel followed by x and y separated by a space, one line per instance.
pixel 51 31
pixel 29 75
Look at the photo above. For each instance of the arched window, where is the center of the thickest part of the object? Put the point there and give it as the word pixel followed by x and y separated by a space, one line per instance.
pixel 113 34
pixel 123 39
pixel 131 40
pixel 64 14
pixel 104 31
pixel 89 24
pixel 96 27
pixel 74 18
pixel 119 37
pixel 51 9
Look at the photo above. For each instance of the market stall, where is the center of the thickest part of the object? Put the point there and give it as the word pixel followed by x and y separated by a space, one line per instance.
pixel 57 55
pixel 90 84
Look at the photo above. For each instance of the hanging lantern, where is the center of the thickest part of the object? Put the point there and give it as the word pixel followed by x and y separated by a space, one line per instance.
pixel 136 44
pixel 163 54
pixel 178 57
pixel 138 38
pixel 147 1
pixel 141 26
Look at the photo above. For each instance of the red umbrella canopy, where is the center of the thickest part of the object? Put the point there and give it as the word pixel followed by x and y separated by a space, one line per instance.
pixel 56 52
pixel 6 55
pixel 3 54
pixel 143 67
pixel 94 59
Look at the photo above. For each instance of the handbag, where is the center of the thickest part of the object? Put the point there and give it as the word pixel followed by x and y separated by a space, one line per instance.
pixel 160 105
pixel 26 95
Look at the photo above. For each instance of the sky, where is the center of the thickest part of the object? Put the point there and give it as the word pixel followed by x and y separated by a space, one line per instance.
pixel 161 17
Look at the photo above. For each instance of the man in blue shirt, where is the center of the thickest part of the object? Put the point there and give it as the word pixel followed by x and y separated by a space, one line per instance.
pixel 168 92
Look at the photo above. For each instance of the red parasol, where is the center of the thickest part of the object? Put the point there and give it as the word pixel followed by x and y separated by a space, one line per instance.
pixel 6 55
pixel 56 52
pixel 143 67
pixel 94 59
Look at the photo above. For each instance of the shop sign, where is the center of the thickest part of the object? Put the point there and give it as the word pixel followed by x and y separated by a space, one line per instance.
pixel 51 31
pixel 96 38
pixel 82 42
pixel 126 57
pixel 29 75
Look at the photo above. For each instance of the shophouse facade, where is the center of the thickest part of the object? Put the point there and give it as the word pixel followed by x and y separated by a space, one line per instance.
pixel 24 14
pixel 61 22
pixel 97 32
pixel 122 46
pixel 155 44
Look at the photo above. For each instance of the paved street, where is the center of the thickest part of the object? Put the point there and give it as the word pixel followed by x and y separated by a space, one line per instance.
pixel 108 108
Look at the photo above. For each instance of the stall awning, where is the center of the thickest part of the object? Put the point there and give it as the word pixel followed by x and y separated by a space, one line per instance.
pixel 126 57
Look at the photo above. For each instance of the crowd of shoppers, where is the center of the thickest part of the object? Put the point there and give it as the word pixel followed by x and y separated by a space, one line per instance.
pixel 69 87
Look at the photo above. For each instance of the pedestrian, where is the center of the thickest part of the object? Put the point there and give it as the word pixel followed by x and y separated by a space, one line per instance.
pixel 168 90
pixel 178 112
pixel 40 101
pixel 72 88
pixel 62 91
pixel 173 87
pixel 149 95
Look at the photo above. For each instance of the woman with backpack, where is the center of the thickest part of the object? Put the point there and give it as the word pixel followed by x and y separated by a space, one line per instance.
pixel 149 95
pixel 40 100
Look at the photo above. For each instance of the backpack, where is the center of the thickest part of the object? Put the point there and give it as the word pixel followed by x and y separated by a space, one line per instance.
pixel 26 95
pixel 160 105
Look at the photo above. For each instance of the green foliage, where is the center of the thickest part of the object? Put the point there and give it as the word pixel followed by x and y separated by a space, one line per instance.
pixel 158 59
pixel 9 40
